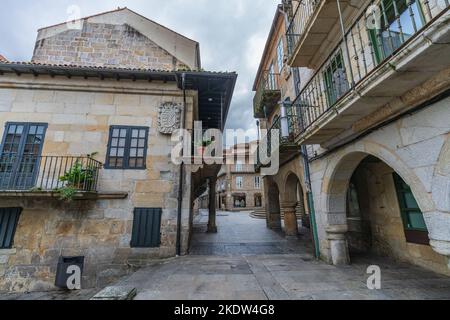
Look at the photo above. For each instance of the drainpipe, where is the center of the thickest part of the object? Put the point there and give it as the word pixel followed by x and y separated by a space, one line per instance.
pixel 341 21
pixel 180 182
pixel 307 173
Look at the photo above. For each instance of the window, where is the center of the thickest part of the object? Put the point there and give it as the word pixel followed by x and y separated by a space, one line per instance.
pixel 400 20
pixel 415 227
pixel 127 148
pixel 9 217
pixel 336 84
pixel 239 166
pixel 271 78
pixel 280 55
pixel 146 228
pixel 257 182
pixel 239 182
pixel 20 154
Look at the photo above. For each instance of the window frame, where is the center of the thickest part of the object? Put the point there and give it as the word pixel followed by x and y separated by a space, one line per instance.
pixel 280 54
pixel 375 34
pixel 412 235
pixel 17 213
pixel 127 148
pixel 257 185
pixel 241 179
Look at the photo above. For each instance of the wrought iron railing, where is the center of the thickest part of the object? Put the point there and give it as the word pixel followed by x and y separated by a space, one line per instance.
pixel 287 129
pixel 361 51
pixel 269 85
pixel 299 22
pixel 48 173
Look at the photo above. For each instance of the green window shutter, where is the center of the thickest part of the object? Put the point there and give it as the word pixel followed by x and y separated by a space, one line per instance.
pixel 146 228
pixel 9 217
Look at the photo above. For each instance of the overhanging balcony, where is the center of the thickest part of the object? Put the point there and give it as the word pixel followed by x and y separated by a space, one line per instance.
pixel 47 176
pixel 267 95
pixel 372 67
pixel 287 129
pixel 310 25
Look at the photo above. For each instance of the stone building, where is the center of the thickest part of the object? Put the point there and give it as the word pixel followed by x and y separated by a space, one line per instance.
pixel 239 187
pixel 359 92
pixel 85 159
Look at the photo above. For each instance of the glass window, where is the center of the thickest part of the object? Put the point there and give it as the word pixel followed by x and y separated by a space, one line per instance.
pixel 257 182
pixel 280 55
pixel 127 148
pixel 239 166
pixel 239 182
pixel 336 84
pixel 411 214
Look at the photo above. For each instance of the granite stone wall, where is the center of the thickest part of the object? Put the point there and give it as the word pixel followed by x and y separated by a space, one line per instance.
pixel 104 45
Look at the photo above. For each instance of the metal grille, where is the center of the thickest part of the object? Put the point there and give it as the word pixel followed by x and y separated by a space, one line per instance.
pixel 146 228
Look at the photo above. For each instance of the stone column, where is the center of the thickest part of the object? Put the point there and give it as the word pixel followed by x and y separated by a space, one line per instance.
pixel 290 219
pixel 336 235
pixel 274 220
pixel 212 227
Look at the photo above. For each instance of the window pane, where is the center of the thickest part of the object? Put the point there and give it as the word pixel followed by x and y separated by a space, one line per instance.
pixel 142 133
pixel 121 152
pixel 114 142
pixel 135 133
pixel 123 133
pixel 12 129
pixel 139 163
pixel 113 152
pixel 410 202
pixel 417 221
pixel 132 162
pixel 141 143
pixel 122 142
pixel 134 143
pixel 116 133
pixel 140 152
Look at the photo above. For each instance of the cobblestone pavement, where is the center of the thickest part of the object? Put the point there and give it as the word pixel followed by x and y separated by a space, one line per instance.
pixel 245 260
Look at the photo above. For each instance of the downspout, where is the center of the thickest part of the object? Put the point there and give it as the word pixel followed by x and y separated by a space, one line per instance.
pixel 307 173
pixel 180 182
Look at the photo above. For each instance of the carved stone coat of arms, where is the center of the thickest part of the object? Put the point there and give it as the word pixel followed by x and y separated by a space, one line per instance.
pixel 169 118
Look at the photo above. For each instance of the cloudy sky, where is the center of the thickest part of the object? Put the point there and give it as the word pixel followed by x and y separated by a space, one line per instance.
pixel 232 34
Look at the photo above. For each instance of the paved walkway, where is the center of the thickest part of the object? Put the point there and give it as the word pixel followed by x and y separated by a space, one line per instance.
pixel 245 260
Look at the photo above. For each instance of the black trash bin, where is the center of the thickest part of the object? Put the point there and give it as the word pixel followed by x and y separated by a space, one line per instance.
pixel 61 271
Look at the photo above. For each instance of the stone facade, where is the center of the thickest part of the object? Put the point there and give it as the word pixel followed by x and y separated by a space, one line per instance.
pixel 78 111
pixel 106 45
pixel 78 124
pixel 403 133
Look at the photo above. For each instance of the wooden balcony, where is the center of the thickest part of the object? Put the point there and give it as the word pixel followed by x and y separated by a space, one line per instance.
pixel 267 95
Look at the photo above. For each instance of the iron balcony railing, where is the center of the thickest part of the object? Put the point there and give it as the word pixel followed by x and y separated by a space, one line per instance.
pixel 48 173
pixel 299 22
pixel 268 92
pixel 366 45
pixel 288 128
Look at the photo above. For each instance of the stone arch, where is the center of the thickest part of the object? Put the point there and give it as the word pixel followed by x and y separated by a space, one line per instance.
pixel 273 208
pixel 335 185
pixel 291 183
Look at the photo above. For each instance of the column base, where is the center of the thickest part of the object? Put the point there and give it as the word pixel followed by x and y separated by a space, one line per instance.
pixel 212 229
pixel 338 244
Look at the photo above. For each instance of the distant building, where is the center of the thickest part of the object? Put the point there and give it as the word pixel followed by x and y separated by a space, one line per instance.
pixel 239 187
pixel 2 58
